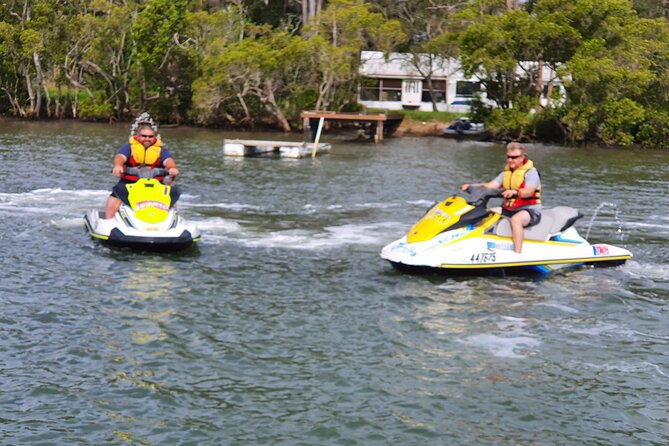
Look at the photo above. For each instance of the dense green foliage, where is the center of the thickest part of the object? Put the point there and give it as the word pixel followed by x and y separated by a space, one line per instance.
pixel 254 62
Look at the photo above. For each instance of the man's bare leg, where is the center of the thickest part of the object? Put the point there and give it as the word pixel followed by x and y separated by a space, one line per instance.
pixel 518 223
pixel 113 205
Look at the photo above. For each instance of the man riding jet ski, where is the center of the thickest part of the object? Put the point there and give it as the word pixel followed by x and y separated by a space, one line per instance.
pixel 462 236
pixel 140 211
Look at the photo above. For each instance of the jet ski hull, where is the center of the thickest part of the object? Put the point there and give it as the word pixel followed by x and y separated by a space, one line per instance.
pixel 155 244
pixel 115 232
pixel 461 253
pixel 502 271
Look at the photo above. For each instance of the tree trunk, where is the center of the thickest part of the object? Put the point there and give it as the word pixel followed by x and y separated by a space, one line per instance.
pixel 274 107
pixel 540 80
pixel 59 108
pixel 29 87
pixel 75 106
pixel 15 103
pixel 40 85
pixel 549 88
pixel 310 9
pixel 247 115
pixel 323 92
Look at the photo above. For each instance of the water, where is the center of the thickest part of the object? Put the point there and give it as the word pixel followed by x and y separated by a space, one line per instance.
pixel 615 217
pixel 286 328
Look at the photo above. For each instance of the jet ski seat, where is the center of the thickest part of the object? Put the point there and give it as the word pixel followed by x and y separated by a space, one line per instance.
pixel 553 220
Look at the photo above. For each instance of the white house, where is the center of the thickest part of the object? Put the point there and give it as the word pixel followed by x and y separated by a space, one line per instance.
pixel 395 82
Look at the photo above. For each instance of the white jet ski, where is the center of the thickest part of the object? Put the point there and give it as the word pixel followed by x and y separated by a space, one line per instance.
pixel 462 236
pixel 147 220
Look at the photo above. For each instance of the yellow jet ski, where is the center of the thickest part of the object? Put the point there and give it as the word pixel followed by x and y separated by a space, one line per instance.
pixel 147 219
pixel 462 236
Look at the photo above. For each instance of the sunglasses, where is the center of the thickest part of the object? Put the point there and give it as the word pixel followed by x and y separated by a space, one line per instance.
pixel 147 136
pixel 513 157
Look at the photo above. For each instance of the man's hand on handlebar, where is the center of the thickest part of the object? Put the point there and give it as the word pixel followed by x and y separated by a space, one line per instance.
pixel 511 193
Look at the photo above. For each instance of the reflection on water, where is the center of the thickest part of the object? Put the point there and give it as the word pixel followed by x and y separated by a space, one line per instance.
pixel 150 278
pixel 286 327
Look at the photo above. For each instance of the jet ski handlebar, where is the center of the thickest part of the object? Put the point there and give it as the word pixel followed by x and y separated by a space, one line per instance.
pixel 479 195
pixel 148 173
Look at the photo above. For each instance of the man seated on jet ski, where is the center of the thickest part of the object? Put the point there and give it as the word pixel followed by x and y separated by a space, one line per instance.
pixel 521 189
pixel 143 149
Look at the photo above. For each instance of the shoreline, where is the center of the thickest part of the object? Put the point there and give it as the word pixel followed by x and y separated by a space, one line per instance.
pixel 408 128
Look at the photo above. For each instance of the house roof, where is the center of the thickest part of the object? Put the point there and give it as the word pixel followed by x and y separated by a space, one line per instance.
pixel 400 65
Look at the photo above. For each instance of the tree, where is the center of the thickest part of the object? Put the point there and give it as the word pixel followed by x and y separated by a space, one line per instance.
pixel 430 44
pixel 606 56
pixel 163 69
pixel 263 68
pixel 338 35
pixel 30 30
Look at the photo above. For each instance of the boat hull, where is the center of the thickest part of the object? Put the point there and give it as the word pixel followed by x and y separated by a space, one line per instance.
pixel 475 135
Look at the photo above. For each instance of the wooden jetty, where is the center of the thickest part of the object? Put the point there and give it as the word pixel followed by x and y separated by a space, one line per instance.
pixel 381 123
pixel 285 149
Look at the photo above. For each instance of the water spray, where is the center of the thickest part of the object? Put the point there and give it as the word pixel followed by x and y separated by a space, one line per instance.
pixel 615 216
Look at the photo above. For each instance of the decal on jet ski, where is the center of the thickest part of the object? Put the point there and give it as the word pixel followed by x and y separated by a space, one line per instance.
pixel 501 246
pixel 600 250
pixel 440 216
pixel 406 249
pixel 151 204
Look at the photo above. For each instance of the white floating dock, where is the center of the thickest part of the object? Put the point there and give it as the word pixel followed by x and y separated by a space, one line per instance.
pixel 285 149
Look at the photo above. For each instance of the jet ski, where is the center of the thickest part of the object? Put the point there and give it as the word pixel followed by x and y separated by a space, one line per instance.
pixel 461 236
pixel 147 220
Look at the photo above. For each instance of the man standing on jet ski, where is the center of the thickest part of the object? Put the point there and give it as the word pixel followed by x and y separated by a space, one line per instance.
pixel 144 149
pixel 521 190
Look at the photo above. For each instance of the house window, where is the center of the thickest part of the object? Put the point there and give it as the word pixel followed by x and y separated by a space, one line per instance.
pixel 412 87
pixel 370 89
pixel 391 90
pixel 467 89
pixel 439 90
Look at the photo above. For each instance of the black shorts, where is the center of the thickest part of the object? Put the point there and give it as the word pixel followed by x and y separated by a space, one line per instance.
pixel 119 190
pixel 535 216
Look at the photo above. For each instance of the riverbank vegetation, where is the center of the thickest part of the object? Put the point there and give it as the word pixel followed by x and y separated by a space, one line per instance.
pixel 246 63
